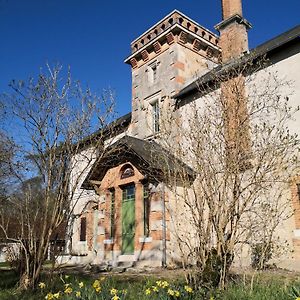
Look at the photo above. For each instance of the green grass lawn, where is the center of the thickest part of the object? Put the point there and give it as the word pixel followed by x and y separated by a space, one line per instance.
pixel 257 287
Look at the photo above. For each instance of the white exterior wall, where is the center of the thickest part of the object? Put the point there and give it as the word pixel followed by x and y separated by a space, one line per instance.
pixel 83 163
pixel 287 72
pixel 286 77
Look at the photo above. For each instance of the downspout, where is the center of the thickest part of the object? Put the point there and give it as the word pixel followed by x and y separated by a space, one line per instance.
pixel 164 228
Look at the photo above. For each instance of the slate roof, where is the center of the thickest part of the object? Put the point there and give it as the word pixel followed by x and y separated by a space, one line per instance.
pixel 148 156
pixel 112 129
pixel 272 45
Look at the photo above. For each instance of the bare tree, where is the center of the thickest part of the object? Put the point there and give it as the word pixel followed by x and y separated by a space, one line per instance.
pixel 61 131
pixel 236 139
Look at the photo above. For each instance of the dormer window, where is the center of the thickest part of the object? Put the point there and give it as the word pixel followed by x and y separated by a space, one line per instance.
pixel 127 171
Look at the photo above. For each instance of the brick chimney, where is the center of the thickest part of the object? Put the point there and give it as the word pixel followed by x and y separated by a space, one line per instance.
pixel 233 30
pixel 233 43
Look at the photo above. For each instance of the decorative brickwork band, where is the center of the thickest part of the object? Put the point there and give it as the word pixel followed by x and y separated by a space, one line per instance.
pixel 196 45
pixel 133 63
pixel 157 47
pixel 209 52
pixel 170 38
pixel 183 37
pixel 145 55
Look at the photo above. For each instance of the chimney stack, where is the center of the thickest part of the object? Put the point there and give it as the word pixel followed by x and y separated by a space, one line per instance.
pixel 231 8
pixel 233 30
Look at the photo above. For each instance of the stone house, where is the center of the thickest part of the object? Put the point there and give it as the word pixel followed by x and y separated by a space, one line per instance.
pixel 124 212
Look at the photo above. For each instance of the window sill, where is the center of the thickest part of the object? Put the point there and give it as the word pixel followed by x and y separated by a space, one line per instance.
pixel 153 136
pixel 108 241
pixel 82 242
pixel 297 233
pixel 145 239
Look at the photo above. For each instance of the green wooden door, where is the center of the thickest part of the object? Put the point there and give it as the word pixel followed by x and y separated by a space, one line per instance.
pixel 128 219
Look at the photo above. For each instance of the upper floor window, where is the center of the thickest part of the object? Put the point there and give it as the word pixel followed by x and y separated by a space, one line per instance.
pixel 152 72
pixel 155 116
pixel 129 193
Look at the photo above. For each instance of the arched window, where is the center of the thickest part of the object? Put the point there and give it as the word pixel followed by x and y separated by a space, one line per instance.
pixel 127 171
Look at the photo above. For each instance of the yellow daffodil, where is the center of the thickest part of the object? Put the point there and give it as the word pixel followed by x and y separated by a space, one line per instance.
pixel 78 294
pixel 81 284
pixel 188 289
pixel 159 283
pixel 115 297
pixel 96 284
pixel 298 298
pixel 68 290
pixel 148 292
pixel 171 292
pixel 164 284
pixel 155 288
pixel 56 295
pixel 67 285
pixel 49 296
pixel 177 294
pixel 42 285
pixel 113 291
pixel 98 289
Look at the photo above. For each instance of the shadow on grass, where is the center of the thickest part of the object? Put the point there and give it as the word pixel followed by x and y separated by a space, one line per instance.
pixel 8 279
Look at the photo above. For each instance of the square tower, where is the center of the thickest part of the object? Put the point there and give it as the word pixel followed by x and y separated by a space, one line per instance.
pixel 163 60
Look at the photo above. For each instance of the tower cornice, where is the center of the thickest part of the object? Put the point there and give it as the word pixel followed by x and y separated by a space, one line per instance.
pixel 177 33
pixel 175 17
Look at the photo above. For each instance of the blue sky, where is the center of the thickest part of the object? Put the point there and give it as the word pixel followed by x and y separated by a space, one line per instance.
pixel 93 36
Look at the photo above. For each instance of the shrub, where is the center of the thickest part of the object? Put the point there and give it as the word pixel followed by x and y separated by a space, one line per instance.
pixel 261 255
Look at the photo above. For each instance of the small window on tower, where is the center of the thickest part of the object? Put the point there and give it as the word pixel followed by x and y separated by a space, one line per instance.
pixel 152 72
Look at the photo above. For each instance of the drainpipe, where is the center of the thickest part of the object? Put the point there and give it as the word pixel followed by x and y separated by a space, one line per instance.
pixel 164 228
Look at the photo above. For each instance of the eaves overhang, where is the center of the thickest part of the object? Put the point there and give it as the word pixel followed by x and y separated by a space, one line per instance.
pixel 271 46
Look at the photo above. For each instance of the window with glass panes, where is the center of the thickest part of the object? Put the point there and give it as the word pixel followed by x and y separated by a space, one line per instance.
pixel 146 204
